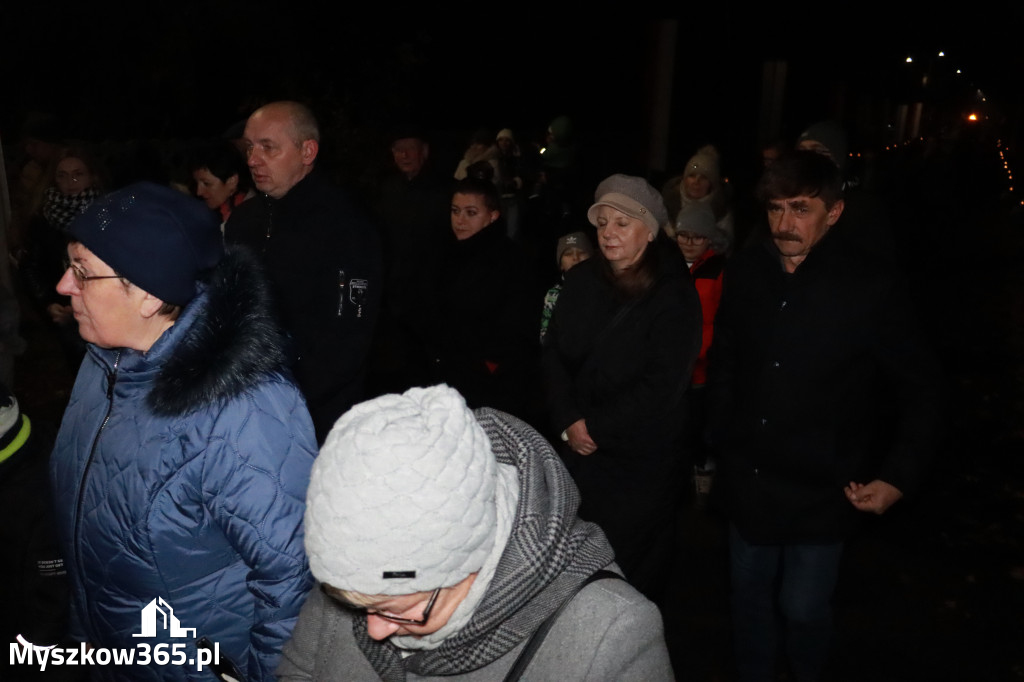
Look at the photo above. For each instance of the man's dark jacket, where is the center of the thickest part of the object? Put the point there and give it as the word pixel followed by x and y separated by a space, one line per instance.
pixel 322 256
pixel 801 366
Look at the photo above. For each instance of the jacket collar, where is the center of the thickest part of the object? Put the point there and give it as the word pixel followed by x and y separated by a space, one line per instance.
pixel 224 342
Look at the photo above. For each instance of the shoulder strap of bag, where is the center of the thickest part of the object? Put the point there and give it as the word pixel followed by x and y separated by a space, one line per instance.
pixel 538 637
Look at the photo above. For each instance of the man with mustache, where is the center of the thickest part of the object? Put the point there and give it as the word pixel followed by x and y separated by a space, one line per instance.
pixel 813 334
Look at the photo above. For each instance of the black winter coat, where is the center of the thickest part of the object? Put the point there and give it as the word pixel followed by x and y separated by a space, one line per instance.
pixel 624 365
pixel 477 320
pixel 800 365
pixel 322 257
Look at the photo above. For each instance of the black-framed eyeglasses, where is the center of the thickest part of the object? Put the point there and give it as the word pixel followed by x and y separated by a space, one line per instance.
pixel 691 238
pixel 80 277
pixel 422 620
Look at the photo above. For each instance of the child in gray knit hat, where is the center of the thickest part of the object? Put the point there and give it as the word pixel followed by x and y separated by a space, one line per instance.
pixel 572 249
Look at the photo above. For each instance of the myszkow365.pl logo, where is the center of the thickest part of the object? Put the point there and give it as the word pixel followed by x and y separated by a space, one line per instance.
pixel 156 615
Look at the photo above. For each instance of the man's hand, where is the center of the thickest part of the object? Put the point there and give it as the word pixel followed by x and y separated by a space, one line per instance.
pixel 579 438
pixel 876 496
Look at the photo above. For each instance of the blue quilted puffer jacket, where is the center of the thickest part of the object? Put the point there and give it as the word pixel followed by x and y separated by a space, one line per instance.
pixel 180 474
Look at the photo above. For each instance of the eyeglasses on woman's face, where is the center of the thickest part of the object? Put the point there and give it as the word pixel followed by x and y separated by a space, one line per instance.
pixel 80 277
pixel 399 618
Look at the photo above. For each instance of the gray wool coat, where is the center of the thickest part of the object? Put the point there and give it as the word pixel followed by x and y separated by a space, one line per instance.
pixel 609 631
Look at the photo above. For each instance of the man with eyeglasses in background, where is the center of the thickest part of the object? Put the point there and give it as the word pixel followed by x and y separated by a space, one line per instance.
pixel 444 541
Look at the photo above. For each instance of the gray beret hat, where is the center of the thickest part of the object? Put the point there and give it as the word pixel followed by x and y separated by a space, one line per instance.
pixel 402 497
pixel 633 196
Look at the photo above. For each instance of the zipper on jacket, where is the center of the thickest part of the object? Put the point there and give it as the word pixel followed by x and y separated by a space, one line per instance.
pixel 111 378
pixel 270 224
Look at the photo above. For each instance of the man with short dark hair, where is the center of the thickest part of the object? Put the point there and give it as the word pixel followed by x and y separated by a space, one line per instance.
pixel 321 254
pixel 811 332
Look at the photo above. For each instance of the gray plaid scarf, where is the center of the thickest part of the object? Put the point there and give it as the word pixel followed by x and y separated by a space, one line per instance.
pixel 549 554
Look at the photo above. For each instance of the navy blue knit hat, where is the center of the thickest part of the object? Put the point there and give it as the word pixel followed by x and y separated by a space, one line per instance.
pixel 161 240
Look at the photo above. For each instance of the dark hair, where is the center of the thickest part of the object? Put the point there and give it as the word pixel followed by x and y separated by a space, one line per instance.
pixel 801 173
pixel 84 154
pixel 483 188
pixel 222 159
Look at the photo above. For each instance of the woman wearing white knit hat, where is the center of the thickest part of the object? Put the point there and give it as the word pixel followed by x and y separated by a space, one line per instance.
pixel 444 540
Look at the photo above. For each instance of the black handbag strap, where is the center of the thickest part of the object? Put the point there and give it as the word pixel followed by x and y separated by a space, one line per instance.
pixel 537 639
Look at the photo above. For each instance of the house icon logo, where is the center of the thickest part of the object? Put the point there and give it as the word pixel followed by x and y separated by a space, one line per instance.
pixel 166 618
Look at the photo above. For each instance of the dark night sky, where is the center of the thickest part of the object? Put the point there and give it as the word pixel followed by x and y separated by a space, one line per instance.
pixel 190 70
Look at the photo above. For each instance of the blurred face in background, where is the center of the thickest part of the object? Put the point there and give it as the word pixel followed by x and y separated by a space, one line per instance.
pixel 696 186
pixel 212 189
pixel 410 154
pixel 470 214
pixel 573 256
pixel 73 176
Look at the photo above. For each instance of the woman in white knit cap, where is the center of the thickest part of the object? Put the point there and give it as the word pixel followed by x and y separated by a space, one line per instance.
pixel 701 183
pixel 443 539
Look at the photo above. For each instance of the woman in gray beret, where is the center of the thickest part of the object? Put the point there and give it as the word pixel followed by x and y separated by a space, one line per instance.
pixel 624 337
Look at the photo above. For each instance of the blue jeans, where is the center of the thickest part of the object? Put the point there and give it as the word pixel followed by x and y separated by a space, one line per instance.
pixel 803 578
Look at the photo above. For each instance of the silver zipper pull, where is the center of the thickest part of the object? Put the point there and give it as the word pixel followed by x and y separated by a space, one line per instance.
pixel 341 292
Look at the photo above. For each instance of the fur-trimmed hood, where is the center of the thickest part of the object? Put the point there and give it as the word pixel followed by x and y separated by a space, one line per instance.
pixel 230 341
pixel 182 471
pixel 223 342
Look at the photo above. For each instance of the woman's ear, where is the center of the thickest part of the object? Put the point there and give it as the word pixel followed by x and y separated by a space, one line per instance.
pixel 150 305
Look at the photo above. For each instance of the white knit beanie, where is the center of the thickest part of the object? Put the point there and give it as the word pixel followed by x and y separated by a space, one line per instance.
pixel 402 496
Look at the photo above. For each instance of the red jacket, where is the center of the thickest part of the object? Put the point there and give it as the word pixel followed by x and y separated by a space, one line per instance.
pixel 707 278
